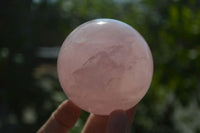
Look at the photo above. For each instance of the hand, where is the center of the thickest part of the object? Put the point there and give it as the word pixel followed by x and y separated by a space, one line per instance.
pixel 65 117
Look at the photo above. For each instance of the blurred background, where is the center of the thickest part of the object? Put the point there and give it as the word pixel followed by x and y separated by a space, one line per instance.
pixel 32 32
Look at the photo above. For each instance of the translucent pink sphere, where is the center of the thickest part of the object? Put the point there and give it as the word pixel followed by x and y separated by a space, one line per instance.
pixel 105 65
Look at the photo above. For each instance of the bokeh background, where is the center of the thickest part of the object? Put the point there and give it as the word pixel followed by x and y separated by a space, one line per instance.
pixel 32 31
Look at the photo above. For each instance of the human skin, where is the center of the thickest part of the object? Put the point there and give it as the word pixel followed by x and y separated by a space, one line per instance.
pixel 66 115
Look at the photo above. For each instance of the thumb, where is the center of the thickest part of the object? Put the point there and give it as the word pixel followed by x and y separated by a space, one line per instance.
pixel 117 122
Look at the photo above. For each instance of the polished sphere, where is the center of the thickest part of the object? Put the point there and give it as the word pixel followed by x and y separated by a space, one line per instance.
pixel 105 65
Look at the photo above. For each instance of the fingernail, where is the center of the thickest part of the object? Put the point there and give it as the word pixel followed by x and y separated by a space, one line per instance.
pixel 117 122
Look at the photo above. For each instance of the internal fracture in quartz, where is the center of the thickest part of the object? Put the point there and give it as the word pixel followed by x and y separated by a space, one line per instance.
pixel 105 65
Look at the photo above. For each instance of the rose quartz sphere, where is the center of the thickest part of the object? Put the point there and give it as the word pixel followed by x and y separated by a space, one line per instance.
pixel 105 65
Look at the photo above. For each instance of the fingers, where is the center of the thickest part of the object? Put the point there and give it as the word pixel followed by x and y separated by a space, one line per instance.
pixel 67 114
pixel 117 122
pixel 63 119
pixel 95 124
pixel 99 124
pixel 131 113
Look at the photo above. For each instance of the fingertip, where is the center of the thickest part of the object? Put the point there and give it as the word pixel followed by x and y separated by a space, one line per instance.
pixel 63 119
pixel 117 122
pixel 67 114
pixel 131 112
pixel 95 124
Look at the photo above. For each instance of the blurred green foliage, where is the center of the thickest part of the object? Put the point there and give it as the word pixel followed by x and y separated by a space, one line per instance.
pixel 171 28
